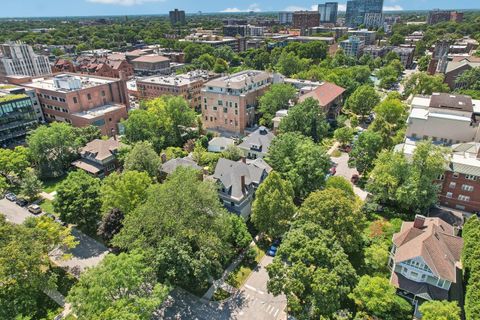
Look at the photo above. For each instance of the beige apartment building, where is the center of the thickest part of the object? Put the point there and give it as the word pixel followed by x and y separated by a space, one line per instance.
pixel 229 103
pixel 187 85
pixel 82 100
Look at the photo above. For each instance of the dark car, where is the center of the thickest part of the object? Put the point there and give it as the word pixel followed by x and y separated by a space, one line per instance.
pixel 11 196
pixel 272 251
pixel 21 202
pixel 355 178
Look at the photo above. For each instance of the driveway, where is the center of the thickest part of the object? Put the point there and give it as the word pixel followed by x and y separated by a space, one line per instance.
pixel 344 171
pixel 252 301
pixel 88 253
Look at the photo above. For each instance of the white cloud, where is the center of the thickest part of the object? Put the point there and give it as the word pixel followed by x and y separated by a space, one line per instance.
pixel 393 8
pixel 314 7
pixel 294 8
pixel 342 7
pixel 124 2
pixel 253 7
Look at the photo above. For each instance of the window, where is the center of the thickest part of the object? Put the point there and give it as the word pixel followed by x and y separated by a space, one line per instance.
pixel 466 187
pixel 449 195
pixel 441 177
pixel 441 283
pixel 220 102
pixel 89 96
pixel 471 177
pixel 461 197
pixel 103 93
pixel 455 175
pixel 75 100
pixel 452 185
pixel 225 110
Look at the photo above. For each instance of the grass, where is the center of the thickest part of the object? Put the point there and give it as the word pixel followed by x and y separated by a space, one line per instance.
pixel 51 185
pixel 47 206
pixel 221 295
pixel 336 153
pixel 240 275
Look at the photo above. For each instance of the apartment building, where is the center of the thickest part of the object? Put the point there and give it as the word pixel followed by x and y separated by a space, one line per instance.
pixel 285 17
pixel 82 100
pixel 328 12
pixel 177 17
pixel 425 260
pixel 329 97
pixel 367 36
pixel 376 51
pixel 353 46
pixel 405 55
pixel 151 64
pixel 187 85
pixel 18 59
pixel 357 9
pixel 306 19
pixel 229 103
pixel 444 118
pixel 437 16
pixel 237 44
pixel 457 66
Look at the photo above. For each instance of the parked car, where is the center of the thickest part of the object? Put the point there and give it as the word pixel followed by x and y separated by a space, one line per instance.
pixel 332 170
pixel 355 178
pixel 11 196
pixel 21 202
pixel 272 251
pixel 35 209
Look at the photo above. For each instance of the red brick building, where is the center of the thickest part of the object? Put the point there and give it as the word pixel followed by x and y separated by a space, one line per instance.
pixel 329 96
pixel 306 19
pixel 82 100
pixel 114 67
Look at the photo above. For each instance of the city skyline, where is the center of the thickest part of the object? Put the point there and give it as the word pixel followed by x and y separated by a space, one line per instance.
pixel 55 8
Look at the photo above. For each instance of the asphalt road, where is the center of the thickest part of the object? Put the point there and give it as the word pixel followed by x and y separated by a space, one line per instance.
pixel 344 171
pixel 252 301
pixel 13 212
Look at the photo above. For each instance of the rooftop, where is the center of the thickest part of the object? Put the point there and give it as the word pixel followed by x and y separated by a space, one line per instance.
pixel 151 59
pixel 239 80
pixel 101 149
pixel 325 93
pixel 176 80
pixel 259 140
pixel 99 111
pixel 85 81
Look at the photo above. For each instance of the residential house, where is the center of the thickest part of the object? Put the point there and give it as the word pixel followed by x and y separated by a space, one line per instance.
pixel 457 67
pixel 169 167
pixel 425 260
pixel 151 65
pixel 99 157
pixel 220 144
pixel 256 144
pixel 238 182
pixel 329 96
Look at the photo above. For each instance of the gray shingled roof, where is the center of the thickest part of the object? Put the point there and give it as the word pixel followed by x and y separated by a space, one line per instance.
pixel 260 138
pixel 171 165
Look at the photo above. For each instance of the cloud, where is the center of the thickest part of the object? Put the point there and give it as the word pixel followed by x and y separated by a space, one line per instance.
pixel 253 7
pixel 342 7
pixel 314 7
pixel 393 8
pixel 124 2
pixel 294 8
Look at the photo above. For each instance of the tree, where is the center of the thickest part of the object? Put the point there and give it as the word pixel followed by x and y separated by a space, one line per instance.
pixel 440 310
pixel 13 163
pixel 112 223
pixel 390 121
pixel 388 76
pixel 343 135
pixel 424 84
pixel 276 98
pixel 206 62
pixel 30 186
pixel 341 183
pixel 333 209
pixel 220 66
pixel 78 200
pixel 120 287
pixel 143 158
pixel 312 270
pixel 299 160
pixel 273 207
pixel 396 39
pixel 362 101
pixel 161 122
pixel 225 53
pixel 24 271
pixel 377 297
pixel 195 50
pixel 184 229
pixel 306 118
pixel 376 258
pixel 53 148
pixel 87 134
pixel 366 150
pixel 3 184
pixel 124 191
pixel 53 234
pixel 423 63
pixel 391 56
pixel 469 79
pixel 289 64
pixel 233 153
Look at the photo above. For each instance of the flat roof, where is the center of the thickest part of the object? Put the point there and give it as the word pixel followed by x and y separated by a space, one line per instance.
pixel 99 111
pixel 239 80
pixel 87 81
pixel 151 59
pixel 175 80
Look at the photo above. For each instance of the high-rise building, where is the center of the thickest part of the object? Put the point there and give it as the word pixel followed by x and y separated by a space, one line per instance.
pixel 357 9
pixel 306 19
pixel 285 17
pixel 177 17
pixel 353 46
pixel 437 16
pixel 18 59
pixel 374 19
pixel 229 103
pixel 328 12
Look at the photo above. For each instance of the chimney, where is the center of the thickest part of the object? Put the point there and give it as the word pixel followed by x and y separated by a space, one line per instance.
pixel 242 179
pixel 419 221
pixel 163 157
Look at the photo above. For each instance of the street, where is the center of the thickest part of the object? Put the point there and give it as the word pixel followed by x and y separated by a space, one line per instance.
pixel 88 252
pixel 252 301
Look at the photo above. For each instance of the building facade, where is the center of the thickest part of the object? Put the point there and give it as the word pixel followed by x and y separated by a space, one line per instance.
pixel 82 100
pixel 374 20
pixel 151 64
pixel 99 157
pixel 177 17
pixel 238 44
pixel 368 37
pixel 437 16
pixel 357 9
pixel 18 59
pixel 229 103
pixel 406 56
pixel 306 19
pixel 257 143
pixel 353 46
pixel 328 12
pixel 285 17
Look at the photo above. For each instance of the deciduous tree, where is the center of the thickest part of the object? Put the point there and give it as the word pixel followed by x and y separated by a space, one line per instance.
pixel 362 101
pixel 30 186
pixel 143 158
pixel 276 98
pixel 440 310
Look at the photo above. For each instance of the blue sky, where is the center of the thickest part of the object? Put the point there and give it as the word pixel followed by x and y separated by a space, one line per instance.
pixel 32 8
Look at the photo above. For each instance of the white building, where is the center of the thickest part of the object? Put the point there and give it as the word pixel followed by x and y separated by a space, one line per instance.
pixel 444 118
pixel 285 17
pixel 18 59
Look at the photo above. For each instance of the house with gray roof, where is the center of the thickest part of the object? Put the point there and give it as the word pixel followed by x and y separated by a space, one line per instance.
pixel 171 165
pixel 220 144
pixel 238 182
pixel 256 144
pixel 99 157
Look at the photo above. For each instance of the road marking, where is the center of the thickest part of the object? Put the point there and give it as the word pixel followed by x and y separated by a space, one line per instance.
pixel 276 312
pixel 268 308
pixel 254 289
pixel 270 312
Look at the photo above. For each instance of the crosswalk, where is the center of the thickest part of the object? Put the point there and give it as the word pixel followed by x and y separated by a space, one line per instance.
pixel 272 310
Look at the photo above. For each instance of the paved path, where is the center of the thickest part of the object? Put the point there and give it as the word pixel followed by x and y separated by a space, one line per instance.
pixel 344 171
pixel 49 196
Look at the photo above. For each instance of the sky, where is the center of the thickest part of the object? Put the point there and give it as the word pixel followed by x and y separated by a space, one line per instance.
pixel 42 8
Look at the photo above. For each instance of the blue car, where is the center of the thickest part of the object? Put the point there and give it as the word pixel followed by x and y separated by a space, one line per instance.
pixel 272 251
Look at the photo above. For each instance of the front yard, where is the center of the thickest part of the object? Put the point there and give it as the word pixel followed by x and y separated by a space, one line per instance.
pixel 240 275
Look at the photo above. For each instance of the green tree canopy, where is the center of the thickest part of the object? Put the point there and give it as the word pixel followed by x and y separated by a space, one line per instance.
pixel 143 158
pixel 30 186
pixel 390 121
pixel 422 83
pixel 14 162
pixel 188 235
pixel 362 101
pixel 289 63
pixel 306 118
pixel 377 297
pixel 120 287
pixel 440 310
pixel 366 149
pixel 276 98
pixel 343 135
pixel 312 270
pixel 77 200
pixel 273 207
pixel 341 183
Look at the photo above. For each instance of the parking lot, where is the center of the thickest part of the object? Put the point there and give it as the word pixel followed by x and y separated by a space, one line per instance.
pixel 13 212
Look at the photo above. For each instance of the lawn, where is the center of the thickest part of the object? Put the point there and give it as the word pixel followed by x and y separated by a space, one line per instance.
pixel 238 277
pixel 51 185
pixel 220 295
pixel 47 206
